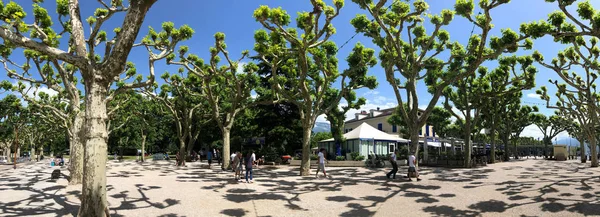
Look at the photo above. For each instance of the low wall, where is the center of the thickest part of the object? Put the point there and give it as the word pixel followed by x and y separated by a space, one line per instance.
pixel 344 163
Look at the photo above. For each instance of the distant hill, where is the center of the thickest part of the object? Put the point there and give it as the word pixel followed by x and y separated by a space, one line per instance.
pixel 321 127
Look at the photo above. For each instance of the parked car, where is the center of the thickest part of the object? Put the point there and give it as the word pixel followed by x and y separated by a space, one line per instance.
pixel 3 160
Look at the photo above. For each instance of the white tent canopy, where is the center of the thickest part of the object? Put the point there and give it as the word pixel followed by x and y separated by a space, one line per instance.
pixel 366 131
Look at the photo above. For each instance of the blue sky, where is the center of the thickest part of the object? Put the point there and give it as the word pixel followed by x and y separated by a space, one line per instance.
pixel 234 18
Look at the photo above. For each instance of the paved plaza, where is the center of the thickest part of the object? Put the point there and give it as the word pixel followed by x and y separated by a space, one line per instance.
pixel 521 188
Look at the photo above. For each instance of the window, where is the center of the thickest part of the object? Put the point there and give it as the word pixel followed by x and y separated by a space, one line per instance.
pixel 392 147
pixel 427 130
pixel 380 126
pixel 394 128
pixel 420 132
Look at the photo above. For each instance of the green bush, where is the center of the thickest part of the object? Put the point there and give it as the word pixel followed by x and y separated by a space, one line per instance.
pixel 340 158
pixel 354 155
pixel 314 157
pixel 359 158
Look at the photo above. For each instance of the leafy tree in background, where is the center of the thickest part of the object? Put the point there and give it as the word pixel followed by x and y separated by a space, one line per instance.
pixel 98 72
pixel 227 91
pixel 576 91
pixel 551 127
pixel 575 130
pixel 440 120
pixel 64 108
pixel 406 48
pixel 577 96
pixel 359 63
pixel 513 118
pixel 183 98
pixel 513 75
pixel 307 62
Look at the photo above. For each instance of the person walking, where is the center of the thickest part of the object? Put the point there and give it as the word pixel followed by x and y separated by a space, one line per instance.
pixel 412 161
pixel 239 165
pixel 235 161
pixel 233 165
pixel 218 156
pixel 209 157
pixel 249 164
pixel 321 163
pixel 254 158
pixel 394 165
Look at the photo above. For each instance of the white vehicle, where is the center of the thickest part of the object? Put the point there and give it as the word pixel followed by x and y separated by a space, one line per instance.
pixel 3 160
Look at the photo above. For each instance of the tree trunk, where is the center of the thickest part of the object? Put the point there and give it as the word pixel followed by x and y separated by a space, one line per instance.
pixel 226 149
pixel 468 143
pixel 8 154
pixel 143 146
pixel 306 132
pixel 40 152
pixel 191 143
pixel 582 150
pixel 182 152
pixel 93 198
pixel 593 150
pixel 76 139
pixel 493 146
pixel 505 141
pixel 414 141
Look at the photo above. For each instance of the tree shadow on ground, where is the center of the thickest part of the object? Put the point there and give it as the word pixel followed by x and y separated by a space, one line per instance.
pixel 544 184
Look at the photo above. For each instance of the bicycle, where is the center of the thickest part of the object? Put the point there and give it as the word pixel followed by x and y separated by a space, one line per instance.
pixel 378 162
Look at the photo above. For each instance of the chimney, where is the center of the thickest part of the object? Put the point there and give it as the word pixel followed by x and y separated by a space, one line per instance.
pixel 363 112
pixel 377 108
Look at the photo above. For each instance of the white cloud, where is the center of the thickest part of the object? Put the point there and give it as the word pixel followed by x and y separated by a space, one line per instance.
pixel 532 131
pixel 536 133
pixel 240 68
pixel 533 96
pixel 371 92
pixel 34 92
pixel 321 118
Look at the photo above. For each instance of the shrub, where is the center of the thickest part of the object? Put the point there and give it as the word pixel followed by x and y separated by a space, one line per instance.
pixel 359 158
pixel 340 158
pixel 354 155
pixel 314 157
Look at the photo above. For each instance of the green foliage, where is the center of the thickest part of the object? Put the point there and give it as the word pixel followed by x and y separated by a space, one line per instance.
pixel 340 158
pixel 359 158
pixel 319 137
pixel 416 58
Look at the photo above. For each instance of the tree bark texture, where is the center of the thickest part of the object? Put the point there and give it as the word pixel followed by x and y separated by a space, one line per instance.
pixel 582 150
pixel 93 198
pixel 468 142
pixel 307 130
pixel 76 150
pixel 226 149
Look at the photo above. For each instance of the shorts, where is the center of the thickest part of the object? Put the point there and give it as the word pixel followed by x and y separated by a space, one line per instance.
pixel 322 166
pixel 412 169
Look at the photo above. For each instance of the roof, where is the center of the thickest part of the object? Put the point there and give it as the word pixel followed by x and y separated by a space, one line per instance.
pixel 384 112
pixel 366 131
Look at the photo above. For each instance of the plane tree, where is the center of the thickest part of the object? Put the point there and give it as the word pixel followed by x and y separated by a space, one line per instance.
pixel 551 127
pixel 304 60
pixel 226 88
pixel 100 56
pixel 410 55
pixel 576 90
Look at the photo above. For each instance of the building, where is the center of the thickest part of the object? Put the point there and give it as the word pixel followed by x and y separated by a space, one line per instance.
pixel 364 139
pixel 378 118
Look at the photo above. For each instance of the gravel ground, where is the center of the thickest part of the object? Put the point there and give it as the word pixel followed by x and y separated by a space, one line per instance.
pixel 518 188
